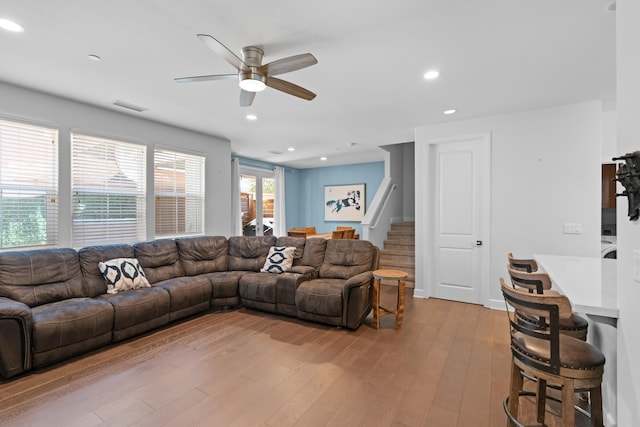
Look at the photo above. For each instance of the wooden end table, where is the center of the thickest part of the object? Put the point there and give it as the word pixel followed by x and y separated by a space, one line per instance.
pixel 379 311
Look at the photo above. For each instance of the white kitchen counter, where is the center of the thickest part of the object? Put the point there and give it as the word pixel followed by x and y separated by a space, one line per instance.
pixel 588 282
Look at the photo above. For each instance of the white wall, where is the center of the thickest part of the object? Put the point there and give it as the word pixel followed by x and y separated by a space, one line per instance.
pixel 545 171
pixel 65 115
pixel 609 136
pixel 628 111
pixel 408 181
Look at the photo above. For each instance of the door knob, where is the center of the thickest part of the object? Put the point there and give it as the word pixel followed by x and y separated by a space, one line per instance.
pixel 478 242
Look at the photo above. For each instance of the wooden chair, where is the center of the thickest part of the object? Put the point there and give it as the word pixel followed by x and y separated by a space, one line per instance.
pixel 528 265
pixel 292 233
pixel 349 233
pixel 540 283
pixel 337 234
pixel 308 231
pixel 549 356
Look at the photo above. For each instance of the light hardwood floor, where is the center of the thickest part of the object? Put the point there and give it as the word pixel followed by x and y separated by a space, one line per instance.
pixel 448 366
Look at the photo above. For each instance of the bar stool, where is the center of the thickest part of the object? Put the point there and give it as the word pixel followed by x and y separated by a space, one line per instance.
pixel 540 283
pixel 550 357
pixel 379 311
pixel 528 265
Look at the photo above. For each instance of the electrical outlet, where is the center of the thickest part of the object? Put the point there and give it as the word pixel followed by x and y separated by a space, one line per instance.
pixel 572 228
pixel 636 265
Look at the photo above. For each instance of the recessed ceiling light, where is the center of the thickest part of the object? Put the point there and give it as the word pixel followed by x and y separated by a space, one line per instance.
pixel 451 111
pixel 94 57
pixel 430 75
pixel 252 117
pixel 10 26
pixel 291 149
pixel 323 158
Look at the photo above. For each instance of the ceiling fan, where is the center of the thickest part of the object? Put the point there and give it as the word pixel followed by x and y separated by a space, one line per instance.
pixel 252 75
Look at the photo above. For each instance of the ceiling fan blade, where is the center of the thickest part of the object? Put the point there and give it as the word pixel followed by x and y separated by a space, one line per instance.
pixel 206 78
pixel 289 64
pixel 290 88
pixel 223 51
pixel 246 98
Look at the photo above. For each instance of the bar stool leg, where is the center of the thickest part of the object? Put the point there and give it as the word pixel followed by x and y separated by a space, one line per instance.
pixel 596 407
pixel 568 414
pixel 376 303
pixel 514 391
pixel 541 400
pixel 400 304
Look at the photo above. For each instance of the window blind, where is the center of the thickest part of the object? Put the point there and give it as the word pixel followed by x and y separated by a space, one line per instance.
pixel 28 185
pixel 108 180
pixel 179 193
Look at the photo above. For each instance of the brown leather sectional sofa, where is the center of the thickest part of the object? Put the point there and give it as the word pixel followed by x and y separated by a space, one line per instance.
pixel 54 304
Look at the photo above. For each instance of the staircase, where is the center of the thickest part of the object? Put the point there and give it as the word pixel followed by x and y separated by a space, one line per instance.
pixel 398 252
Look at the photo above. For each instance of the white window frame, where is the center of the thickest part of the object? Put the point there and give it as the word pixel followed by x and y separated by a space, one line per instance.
pixel 189 188
pixel 111 168
pixel 28 170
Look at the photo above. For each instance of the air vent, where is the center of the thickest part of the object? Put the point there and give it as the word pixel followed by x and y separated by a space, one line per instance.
pixel 130 106
pixel 275 152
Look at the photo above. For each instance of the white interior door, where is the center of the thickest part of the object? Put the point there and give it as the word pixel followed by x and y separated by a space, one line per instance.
pixel 458 201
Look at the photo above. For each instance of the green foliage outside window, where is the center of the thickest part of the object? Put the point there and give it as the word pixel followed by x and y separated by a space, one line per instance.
pixel 23 221
pixel 104 206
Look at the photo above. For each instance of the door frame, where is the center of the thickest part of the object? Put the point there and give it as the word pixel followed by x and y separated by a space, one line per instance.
pixel 425 218
pixel 260 175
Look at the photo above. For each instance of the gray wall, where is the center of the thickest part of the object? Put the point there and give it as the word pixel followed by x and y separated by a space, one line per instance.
pixel 67 115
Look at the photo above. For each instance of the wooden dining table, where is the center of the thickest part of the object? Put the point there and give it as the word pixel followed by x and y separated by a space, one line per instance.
pixel 325 236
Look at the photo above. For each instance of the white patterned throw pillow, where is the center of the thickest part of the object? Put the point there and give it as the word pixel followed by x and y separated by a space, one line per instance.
pixel 279 260
pixel 123 274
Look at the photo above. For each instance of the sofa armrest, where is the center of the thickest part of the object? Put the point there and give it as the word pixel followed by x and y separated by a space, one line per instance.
pixel 358 299
pixel 16 323
pixel 358 280
pixel 305 270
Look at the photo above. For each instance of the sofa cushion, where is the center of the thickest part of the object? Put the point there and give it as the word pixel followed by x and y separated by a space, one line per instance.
pixel 314 249
pixel 203 254
pixel 279 259
pixel 321 297
pixel 260 287
pixel 347 258
pixel 40 276
pixel 224 284
pixel 159 259
pixel 248 253
pixel 123 274
pixel 90 256
pixel 187 292
pixel 296 242
pixel 63 323
pixel 148 307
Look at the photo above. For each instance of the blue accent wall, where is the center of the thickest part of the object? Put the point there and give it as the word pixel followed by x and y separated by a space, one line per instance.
pixel 305 192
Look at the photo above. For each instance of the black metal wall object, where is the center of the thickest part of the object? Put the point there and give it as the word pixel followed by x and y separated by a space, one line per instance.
pixel 628 174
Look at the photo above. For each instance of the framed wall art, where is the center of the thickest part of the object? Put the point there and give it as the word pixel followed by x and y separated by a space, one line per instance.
pixel 344 202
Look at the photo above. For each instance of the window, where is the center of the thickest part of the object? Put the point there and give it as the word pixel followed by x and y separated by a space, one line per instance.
pixel 28 185
pixel 108 191
pixel 179 193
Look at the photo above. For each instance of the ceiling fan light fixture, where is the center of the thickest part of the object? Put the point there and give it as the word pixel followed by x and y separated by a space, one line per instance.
pixel 9 25
pixel 252 81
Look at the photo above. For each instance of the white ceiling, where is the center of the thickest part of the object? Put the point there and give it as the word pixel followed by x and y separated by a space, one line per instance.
pixel 495 56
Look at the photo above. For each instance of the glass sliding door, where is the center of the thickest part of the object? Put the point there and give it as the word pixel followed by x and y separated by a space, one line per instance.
pixel 256 200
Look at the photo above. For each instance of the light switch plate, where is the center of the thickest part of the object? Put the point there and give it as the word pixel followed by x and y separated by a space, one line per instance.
pixel 636 265
pixel 571 228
